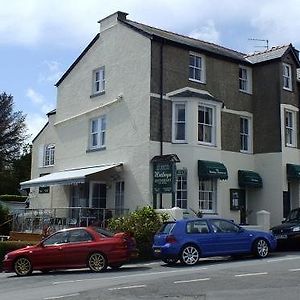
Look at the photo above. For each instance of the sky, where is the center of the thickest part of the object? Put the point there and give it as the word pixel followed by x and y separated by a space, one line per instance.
pixel 40 39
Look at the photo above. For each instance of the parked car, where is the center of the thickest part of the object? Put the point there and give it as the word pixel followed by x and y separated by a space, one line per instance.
pixel 188 240
pixel 289 230
pixel 81 247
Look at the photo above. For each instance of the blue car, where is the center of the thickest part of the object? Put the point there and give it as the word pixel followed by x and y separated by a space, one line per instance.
pixel 189 239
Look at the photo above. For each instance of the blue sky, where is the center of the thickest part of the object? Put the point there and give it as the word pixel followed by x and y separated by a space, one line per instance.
pixel 39 39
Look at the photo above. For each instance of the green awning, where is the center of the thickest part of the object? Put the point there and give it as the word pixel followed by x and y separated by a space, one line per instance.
pixel 211 169
pixel 293 171
pixel 249 179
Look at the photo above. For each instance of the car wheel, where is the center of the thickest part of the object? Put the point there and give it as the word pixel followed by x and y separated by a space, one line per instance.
pixel 261 248
pixel 170 261
pixel 190 255
pixel 97 262
pixel 116 266
pixel 22 266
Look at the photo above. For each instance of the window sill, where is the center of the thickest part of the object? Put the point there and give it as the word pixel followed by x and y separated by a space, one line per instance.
pixel 207 145
pixel 179 142
pixel 197 81
pixel 246 152
pixel 288 89
pixel 48 166
pixel 95 150
pixel 246 92
pixel 97 94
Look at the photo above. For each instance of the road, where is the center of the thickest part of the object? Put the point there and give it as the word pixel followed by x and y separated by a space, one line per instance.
pixel 276 277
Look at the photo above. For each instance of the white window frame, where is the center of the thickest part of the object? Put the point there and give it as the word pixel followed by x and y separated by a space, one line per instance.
pixel 290 132
pixel 247 135
pixel 177 122
pixel 201 68
pixel 287 77
pixel 49 155
pixel 245 81
pixel 181 190
pixel 98 81
pixel 99 133
pixel 208 195
pixel 212 126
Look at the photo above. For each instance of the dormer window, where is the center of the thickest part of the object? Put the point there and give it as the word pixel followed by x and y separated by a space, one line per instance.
pixel 287 77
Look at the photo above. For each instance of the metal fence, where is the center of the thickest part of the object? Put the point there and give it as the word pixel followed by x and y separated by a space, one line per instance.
pixel 37 220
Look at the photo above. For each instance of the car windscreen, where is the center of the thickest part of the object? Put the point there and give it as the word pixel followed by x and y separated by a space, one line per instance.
pixel 166 228
pixel 293 215
pixel 104 232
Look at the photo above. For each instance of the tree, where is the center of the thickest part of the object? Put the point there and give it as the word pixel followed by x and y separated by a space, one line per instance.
pixel 12 131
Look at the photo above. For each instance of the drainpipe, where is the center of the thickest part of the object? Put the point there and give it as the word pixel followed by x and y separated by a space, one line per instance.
pixel 161 106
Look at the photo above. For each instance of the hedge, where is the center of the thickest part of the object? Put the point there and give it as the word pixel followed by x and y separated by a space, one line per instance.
pixel 9 246
pixel 9 198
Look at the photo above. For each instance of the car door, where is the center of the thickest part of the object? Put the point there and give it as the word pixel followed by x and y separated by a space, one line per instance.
pixel 75 252
pixel 229 238
pixel 50 254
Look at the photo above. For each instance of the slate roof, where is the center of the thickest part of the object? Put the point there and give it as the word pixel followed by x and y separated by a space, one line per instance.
pixel 187 41
pixel 273 53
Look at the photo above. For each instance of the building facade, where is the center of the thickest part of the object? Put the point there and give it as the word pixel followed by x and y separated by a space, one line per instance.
pixel 138 93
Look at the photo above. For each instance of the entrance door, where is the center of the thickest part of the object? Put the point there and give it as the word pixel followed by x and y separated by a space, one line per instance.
pixel 243 206
pixel 98 195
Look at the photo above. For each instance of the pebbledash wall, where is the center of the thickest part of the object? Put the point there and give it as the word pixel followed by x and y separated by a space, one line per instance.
pixel 131 105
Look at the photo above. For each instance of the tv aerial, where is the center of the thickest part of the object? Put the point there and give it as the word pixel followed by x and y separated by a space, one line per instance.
pixel 266 45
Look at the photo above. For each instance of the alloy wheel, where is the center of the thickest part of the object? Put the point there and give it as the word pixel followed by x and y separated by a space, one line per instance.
pixel 97 262
pixel 190 255
pixel 22 266
pixel 262 248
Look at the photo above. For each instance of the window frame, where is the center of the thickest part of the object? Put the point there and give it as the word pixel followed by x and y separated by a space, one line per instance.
pixel 119 195
pixel 213 125
pixel 213 191
pixel 246 81
pixel 248 135
pixel 49 155
pixel 180 190
pixel 100 81
pixel 176 122
pixel 201 68
pixel 100 133
pixel 291 128
pixel 287 78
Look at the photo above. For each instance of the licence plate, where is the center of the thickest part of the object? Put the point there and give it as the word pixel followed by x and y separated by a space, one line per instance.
pixel 281 237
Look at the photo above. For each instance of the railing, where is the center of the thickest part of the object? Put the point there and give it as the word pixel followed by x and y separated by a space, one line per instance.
pixel 38 220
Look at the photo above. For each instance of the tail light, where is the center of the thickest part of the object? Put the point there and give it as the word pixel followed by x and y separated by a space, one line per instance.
pixel 171 239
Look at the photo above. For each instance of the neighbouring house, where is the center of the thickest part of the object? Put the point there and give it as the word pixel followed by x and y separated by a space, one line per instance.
pixel 142 106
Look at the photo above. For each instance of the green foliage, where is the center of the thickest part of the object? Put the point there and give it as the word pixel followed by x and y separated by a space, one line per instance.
pixel 143 224
pixel 4 218
pixel 9 246
pixel 8 198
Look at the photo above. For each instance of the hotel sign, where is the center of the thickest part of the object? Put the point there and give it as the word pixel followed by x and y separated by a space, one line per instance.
pixel 163 177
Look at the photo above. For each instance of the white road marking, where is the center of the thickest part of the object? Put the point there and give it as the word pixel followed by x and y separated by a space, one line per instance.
pixel 283 259
pixel 251 274
pixel 192 280
pixel 127 287
pixel 294 270
pixel 185 270
pixel 61 297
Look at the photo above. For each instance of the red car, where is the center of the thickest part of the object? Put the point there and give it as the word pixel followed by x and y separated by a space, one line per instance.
pixel 73 248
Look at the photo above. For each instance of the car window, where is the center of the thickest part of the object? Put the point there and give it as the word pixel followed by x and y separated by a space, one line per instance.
pixel 198 226
pixel 224 226
pixel 166 228
pixel 79 235
pixel 57 238
pixel 103 232
pixel 293 215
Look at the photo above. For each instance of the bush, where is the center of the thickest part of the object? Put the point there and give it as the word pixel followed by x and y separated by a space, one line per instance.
pixel 142 224
pixel 9 246
pixel 4 220
pixel 8 198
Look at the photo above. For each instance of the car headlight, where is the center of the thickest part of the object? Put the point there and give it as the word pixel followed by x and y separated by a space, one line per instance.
pixel 297 228
pixel 6 257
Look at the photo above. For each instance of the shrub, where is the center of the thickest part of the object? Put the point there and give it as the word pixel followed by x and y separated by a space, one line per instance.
pixel 4 220
pixel 9 246
pixel 142 224
pixel 8 198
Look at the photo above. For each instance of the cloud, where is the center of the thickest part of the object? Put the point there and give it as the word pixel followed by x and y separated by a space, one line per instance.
pixel 206 32
pixel 52 73
pixel 35 122
pixel 38 100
